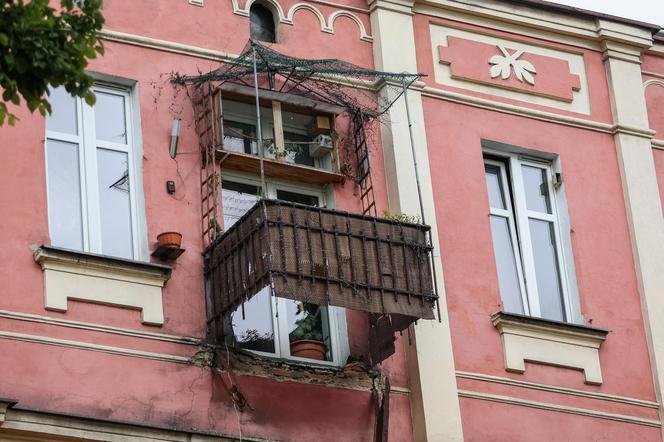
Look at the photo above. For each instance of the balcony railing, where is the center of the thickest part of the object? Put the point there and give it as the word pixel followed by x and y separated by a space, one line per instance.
pixel 324 257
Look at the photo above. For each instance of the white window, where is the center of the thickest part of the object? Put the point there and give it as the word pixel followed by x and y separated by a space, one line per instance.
pixel 273 326
pixel 527 239
pixel 91 174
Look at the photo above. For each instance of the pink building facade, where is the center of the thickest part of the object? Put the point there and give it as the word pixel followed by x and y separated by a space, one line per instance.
pixel 537 131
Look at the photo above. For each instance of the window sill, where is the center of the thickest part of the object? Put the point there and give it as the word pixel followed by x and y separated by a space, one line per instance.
pixel 549 342
pixel 81 276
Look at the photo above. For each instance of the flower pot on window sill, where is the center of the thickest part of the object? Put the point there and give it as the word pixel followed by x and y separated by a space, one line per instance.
pixel 308 349
pixel 169 239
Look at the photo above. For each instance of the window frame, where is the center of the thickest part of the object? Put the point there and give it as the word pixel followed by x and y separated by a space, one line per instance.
pixel 336 315
pixel 88 146
pixel 277 106
pixel 515 199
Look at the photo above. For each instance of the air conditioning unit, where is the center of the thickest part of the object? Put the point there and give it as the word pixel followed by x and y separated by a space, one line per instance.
pixel 322 145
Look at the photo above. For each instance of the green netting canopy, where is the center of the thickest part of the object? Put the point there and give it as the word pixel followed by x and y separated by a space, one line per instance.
pixel 330 80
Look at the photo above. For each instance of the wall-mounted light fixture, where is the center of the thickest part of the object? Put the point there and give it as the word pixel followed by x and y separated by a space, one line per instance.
pixel 175 135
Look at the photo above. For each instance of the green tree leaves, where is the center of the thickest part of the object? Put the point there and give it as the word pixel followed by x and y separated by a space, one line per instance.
pixel 42 46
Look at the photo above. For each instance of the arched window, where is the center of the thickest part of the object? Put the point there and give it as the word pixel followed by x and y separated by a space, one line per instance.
pixel 262 25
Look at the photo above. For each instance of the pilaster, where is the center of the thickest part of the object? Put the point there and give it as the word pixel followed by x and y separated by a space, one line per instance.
pixel 622 49
pixel 434 396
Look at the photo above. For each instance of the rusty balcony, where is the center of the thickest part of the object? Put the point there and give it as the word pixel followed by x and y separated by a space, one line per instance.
pixel 325 257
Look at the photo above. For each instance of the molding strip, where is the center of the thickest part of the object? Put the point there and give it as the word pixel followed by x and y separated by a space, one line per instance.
pixel 658 144
pixel 187 340
pixel 560 408
pixel 94 347
pixel 511 109
pixel 165 45
pixel 652 74
pixel 557 389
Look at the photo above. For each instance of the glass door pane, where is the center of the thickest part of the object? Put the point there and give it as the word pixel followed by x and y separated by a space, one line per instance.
pixel 308 330
pixel 546 269
pixel 508 276
pixel 252 323
pixel 64 195
pixel 114 203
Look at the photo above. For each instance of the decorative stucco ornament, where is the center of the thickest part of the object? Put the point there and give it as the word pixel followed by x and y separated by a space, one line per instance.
pixel 503 64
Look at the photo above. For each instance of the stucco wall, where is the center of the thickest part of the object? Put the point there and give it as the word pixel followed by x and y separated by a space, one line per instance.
pixel 110 375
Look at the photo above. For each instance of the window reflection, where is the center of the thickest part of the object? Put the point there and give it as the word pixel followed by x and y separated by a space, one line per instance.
pixel 252 323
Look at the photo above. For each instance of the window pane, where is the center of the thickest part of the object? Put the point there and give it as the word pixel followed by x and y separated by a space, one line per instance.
pixel 114 206
pixel 494 186
pixel 508 278
pixel 239 137
pixel 110 118
pixel 308 322
pixel 64 195
pixel 309 200
pixel 546 269
pixel 236 200
pixel 261 23
pixel 253 330
pixel 537 190
pixel 240 127
pixel 297 149
pixel 63 117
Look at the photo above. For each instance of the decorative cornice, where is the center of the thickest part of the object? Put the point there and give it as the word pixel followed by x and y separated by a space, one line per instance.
pixel 559 408
pixel 557 389
pixel 552 25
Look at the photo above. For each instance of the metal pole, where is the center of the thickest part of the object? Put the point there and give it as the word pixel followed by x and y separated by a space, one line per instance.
pixel 419 190
pixel 259 131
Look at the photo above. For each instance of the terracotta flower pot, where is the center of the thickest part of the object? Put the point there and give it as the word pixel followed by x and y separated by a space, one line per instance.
pixel 169 239
pixel 309 349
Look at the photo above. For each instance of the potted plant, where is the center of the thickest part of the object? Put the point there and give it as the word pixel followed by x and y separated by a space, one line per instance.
pixel 307 338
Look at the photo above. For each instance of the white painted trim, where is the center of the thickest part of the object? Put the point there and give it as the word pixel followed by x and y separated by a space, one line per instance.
pixel 165 45
pixel 554 345
pixel 512 109
pixel 363 31
pixel 641 194
pixel 325 25
pixel 652 74
pixel 94 347
pixel 102 280
pixel 88 326
pixel 658 144
pixel 653 82
pixel 435 411
pixel 297 6
pixel 560 408
pixel 580 99
pixel 524 19
pixel 557 389
pixel 26 425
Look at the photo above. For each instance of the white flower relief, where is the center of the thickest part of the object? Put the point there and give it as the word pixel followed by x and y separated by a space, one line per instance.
pixel 503 64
